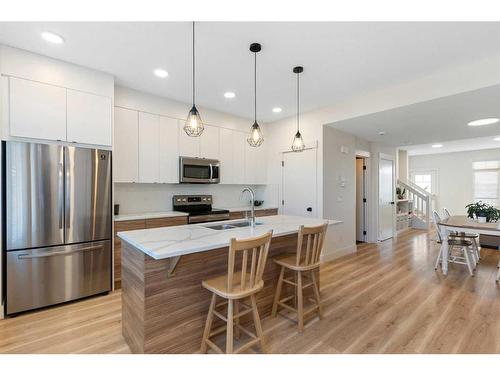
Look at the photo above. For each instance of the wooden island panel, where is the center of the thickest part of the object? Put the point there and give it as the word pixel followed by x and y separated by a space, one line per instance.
pixel 164 314
pixel 123 226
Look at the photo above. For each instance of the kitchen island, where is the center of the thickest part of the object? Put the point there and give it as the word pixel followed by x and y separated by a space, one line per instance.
pixel 164 306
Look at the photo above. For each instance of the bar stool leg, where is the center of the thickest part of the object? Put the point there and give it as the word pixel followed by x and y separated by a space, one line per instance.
pixel 256 321
pixel 316 294
pixel 230 323
pixel 277 295
pixel 236 319
pixel 300 302
pixel 208 324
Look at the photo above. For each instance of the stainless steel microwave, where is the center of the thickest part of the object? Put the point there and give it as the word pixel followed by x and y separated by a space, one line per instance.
pixel 198 170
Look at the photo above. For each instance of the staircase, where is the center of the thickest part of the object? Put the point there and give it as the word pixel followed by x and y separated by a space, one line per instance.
pixel 422 204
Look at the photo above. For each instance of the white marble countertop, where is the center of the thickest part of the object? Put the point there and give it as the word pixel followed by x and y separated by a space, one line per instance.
pixel 156 215
pixel 149 215
pixel 167 242
pixel 247 208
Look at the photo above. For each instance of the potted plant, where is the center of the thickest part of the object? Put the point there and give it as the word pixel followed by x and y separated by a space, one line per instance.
pixel 483 212
pixel 400 193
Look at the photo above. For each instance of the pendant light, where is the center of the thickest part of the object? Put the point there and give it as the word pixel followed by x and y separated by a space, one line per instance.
pixel 193 126
pixel 255 139
pixel 298 143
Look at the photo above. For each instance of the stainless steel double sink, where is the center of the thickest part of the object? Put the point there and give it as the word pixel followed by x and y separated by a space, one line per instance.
pixel 237 224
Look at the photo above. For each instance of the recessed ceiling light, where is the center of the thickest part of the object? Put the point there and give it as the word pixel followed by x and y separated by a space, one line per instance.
pixel 229 95
pixel 52 38
pixel 161 73
pixel 277 109
pixel 496 139
pixel 483 121
pixel 381 133
pixel 437 145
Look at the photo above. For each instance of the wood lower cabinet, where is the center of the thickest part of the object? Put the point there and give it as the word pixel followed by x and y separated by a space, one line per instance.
pixel 122 226
pixel 267 212
pixel 241 214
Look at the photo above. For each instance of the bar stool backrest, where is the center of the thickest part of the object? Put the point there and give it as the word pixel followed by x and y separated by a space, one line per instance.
pixel 309 251
pixel 258 247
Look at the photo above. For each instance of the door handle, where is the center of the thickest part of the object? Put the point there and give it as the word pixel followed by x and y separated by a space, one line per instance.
pixel 309 209
pixel 60 193
pixel 53 254
pixel 392 202
pixel 211 172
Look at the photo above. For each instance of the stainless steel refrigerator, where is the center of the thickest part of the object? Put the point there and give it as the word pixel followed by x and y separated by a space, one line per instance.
pixel 56 224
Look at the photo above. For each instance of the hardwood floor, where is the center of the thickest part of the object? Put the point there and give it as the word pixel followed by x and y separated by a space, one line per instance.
pixel 387 298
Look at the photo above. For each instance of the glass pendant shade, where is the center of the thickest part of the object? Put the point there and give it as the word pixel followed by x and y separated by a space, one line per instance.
pixel 255 139
pixel 193 126
pixel 298 143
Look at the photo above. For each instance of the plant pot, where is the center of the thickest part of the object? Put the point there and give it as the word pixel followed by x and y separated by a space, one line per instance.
pixel 481 219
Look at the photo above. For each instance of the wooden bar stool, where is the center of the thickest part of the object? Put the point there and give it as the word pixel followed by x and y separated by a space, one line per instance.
pixel 234 288
pixel 301 263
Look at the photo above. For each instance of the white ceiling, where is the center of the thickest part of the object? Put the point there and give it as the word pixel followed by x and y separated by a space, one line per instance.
pixel 435 121
pixel 470 144
pixel 341 60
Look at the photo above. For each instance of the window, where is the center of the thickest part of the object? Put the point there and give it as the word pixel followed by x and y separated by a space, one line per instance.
pixel 486 181
pixel 423 180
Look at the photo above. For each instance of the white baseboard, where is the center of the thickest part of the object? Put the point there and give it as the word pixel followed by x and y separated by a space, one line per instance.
pixel 337 253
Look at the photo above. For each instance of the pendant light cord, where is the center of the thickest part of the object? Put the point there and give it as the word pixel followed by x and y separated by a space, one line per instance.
pixel 298 110
pixel 193 67
pixel 255 86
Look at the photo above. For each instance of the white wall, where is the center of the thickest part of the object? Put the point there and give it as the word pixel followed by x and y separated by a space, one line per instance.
pixel 137 198
pixel 454 174
pixel 339 202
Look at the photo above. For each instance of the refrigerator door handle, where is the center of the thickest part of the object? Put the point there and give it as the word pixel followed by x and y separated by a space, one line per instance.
pixel 60 194
pixel 56 253
pixel 67 197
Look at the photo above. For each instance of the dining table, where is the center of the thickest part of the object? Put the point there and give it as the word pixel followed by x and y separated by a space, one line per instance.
pixel 464 224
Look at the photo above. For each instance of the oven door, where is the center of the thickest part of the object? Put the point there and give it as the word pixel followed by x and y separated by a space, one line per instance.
pixel 198 170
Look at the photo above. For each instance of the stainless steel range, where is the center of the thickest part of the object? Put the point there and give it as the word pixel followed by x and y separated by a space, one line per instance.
pixel 199 208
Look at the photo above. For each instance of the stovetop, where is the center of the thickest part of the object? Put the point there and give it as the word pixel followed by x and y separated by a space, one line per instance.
pixel 196 205
pixel 213 211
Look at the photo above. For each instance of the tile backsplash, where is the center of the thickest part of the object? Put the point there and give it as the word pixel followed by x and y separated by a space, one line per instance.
pixel 137 198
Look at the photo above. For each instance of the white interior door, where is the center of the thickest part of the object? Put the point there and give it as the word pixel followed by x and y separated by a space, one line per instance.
pixel 386 199
pixel 299 183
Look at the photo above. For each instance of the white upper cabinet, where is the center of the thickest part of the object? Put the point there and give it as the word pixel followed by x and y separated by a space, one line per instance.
pixel 255 164
pixel 125 149
pixel 188 146
pixel 169 150
pixel 239 143
pixel 89 118
pixel 149 147
pixel 37 110
pixel 209 142
pixel 226 156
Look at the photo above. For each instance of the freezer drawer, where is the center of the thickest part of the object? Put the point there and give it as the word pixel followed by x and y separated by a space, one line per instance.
pixel 46 276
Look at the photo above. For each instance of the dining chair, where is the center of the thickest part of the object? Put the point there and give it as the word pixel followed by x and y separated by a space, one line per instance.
pixel 250 257
pixel 474 237
pixel 459 251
